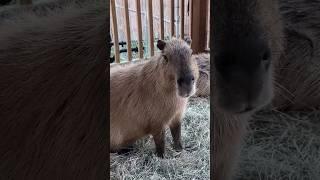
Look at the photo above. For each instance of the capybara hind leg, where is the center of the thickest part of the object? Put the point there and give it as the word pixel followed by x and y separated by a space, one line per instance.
pixel 175 129
pixel 159 140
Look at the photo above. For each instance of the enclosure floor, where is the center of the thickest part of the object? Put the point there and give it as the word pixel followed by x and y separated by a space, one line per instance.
pixel 282 146
pixel 191 163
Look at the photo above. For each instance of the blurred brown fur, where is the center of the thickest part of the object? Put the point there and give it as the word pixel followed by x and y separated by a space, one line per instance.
pixel 53 93
pixel 296 73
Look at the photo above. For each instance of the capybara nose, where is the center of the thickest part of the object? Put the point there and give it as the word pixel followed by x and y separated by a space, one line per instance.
pixel 188 79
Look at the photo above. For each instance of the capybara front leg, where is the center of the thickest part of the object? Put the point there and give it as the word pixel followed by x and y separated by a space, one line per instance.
pixel 159 140
pixel 227 146
pixel 175 129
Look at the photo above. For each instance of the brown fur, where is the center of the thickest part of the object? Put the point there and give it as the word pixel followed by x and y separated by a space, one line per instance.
pixel 53 94
pixel 235 18
pixel 296 77
pixel 297 74
pixel 203 83
pixel 145 98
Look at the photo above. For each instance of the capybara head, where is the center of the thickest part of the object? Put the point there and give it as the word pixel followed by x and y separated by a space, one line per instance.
pixel 178 66
pixel 247 41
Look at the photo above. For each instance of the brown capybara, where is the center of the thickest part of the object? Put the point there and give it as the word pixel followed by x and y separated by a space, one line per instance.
pixel 148 96
pixel 53 92
pixel 246 45
pixel 243 32
pixel 203 83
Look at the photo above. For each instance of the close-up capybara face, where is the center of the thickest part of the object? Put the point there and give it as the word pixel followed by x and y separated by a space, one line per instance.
pixel 246 44
pixel 179 66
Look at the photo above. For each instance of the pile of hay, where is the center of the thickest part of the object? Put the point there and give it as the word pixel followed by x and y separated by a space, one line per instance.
pixel 191 163
pixel 282 146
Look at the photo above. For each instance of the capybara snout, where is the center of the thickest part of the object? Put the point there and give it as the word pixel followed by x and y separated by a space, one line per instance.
pixel 243 72
pixel 186 85
pixel 244 76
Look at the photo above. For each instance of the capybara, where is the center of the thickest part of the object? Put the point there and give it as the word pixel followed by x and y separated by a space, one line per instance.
pixel 247 42
pixel 245 35
pixel 148 96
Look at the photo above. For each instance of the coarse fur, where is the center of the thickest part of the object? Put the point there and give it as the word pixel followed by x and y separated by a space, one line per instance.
pixel 297 77
pixel 53 93
pixel 38 8
pixel 247 42
pixel 296 66
pixel 148 96
pixel 203 83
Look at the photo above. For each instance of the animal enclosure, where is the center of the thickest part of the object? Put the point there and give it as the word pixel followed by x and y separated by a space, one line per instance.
pixel 137 25
pixel 135 29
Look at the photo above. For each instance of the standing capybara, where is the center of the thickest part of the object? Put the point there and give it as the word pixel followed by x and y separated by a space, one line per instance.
pixel 146 97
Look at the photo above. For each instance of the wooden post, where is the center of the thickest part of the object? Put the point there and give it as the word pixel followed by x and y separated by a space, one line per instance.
pixel 182 19
pixel 172 18
pixel 199 25
pixel 151 27
pixel 208 28
pixel 126 9
pixel 139 29
pixel 161 20
pixel 115 31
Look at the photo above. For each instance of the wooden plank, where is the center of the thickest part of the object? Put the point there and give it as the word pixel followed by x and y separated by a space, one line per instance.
pixel 138 5
pixel 172 18
pixel 208 27
pixel 190 19
pixel 115 31
pixel 182 19
pixel 161 20
pixel 199 23
pixel 126 9
pixel 151 47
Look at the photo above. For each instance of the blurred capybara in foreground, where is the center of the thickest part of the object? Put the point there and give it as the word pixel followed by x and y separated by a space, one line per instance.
pixel 53 90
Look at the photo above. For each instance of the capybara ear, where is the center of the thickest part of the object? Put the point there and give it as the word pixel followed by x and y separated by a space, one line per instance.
pixel 188 40
pixel 161 44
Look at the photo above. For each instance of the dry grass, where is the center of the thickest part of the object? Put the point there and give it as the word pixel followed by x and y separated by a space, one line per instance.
pixel 282 146
pixel 191 163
